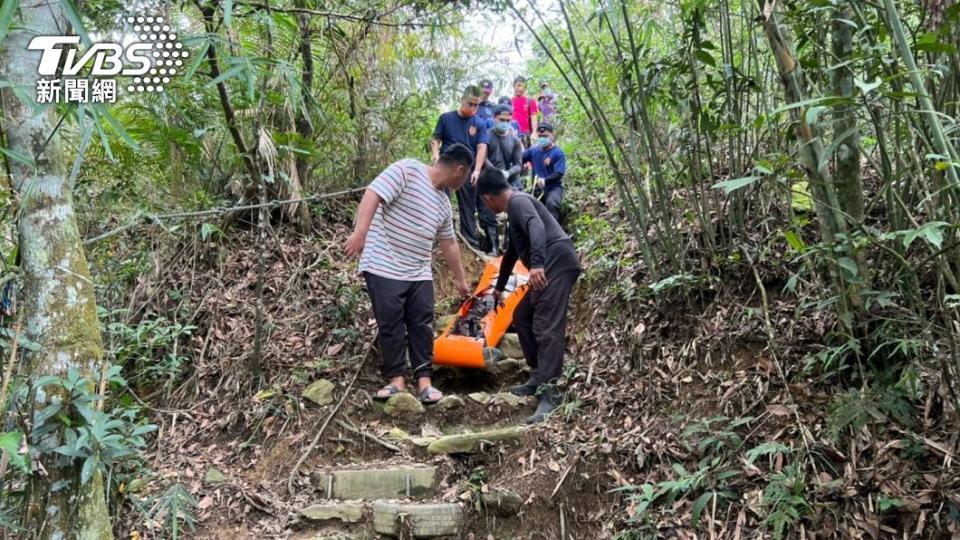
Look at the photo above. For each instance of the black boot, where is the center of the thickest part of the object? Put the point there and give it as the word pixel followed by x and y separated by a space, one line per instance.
pixel 549 400
pixel 493 236
pixel 528 388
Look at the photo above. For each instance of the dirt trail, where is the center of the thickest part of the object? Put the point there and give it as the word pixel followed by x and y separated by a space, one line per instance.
pixel 234 448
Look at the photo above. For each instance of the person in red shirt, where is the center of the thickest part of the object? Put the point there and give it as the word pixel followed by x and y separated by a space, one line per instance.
pixel 524 110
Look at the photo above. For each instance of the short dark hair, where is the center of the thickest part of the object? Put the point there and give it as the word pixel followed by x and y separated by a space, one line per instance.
pixel 472 91
pixel 519 79
pixel 491 182
pixel 457 154
pixel 500 109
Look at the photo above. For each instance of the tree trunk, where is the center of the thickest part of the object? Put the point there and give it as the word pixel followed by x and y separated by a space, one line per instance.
pixel 812 154
pixel 59 302
pixel 847 153
pixel 299 170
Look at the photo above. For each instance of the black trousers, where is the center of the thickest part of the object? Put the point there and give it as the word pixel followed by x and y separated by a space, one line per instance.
pixel 469 205
pixel 552 200
pixel 404 313
pixel 541 323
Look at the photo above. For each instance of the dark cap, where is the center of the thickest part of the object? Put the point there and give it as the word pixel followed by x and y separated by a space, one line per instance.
pixel 500 109
pixel 544 126
pixel 486 83
pixel 544 84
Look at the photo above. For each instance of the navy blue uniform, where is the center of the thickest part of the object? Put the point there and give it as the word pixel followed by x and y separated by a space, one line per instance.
pixel 550 165
pixel 471 131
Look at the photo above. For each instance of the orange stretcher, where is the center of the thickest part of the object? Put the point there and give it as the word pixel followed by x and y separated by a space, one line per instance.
pixel 470 340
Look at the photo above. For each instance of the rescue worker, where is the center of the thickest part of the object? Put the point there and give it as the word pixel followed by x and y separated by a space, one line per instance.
pixel 462 126
pixel 549 166
pixel 485 110
pixel 504 154
pixel 536 239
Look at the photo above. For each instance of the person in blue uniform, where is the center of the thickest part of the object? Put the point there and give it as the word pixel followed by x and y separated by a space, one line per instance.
pixel 549 166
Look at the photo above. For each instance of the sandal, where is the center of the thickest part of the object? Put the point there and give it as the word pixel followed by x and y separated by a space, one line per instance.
pixel 425 395
pixel 391 389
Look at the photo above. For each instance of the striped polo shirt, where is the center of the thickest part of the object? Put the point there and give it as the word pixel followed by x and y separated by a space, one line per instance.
pixel 412 216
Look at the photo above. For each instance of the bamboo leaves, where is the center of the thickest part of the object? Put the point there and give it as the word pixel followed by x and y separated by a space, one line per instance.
pixel 729 186
pixel 7 10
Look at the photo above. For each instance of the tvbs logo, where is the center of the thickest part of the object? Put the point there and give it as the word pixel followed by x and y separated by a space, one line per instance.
pixel 151 55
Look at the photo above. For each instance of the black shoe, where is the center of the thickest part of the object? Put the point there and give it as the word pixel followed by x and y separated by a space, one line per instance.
pixel 528 388
pixel 549 401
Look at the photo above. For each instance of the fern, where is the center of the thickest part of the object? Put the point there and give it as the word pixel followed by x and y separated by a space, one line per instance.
pixel 784 497
pixel 855 409
pixel 767 449
pixel 176 505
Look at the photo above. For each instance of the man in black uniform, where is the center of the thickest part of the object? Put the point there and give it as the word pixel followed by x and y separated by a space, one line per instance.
pixel 504 154
pixel 540 243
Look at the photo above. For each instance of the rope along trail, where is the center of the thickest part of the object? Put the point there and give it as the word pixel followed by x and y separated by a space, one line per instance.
pixel 142 218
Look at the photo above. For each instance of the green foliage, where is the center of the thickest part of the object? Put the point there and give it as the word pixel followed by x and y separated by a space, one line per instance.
pixel 767 449
pixel 476 483
pixel 854 409
pixel 706 481
pixel 785 501
pixel 75 426
pixel 715 436
pixel 7 10
pixel 175 509
pixel 717 442
pixel 884 504
pixel 347 298
pixel 11 443
pixel 150 348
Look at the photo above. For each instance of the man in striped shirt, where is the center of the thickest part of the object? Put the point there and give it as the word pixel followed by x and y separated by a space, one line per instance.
pixel 403 212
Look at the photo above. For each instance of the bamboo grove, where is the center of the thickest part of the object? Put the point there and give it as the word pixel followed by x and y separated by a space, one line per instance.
pixel 754 121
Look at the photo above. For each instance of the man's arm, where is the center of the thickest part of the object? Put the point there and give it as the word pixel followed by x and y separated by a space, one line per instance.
pixel 451 254
pixel 517 157
pixel 365 212
pixel 436 140
pixel 478 164
pixel 536 233
pixel 533 116
pixel 507 263
pixel 490 151
pixel 559 168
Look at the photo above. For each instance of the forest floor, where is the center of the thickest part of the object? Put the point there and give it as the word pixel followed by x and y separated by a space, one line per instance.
pixel 681 418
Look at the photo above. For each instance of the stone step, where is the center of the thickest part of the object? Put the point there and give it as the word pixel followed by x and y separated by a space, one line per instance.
pixel 510 346
pixel 418 520
pixel 336 535
pixel 377 483
pixel 468 443
pixel 344 511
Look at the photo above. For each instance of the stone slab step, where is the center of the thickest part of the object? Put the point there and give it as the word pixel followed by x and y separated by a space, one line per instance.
pixel 344 511
pixel 510 346
pixel 336 535
pixel 419 520
pixel 468 443
pixel 378 483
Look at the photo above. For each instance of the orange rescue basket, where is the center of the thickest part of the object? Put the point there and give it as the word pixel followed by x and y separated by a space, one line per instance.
pixel 476 349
